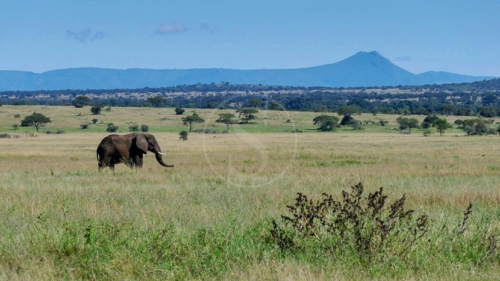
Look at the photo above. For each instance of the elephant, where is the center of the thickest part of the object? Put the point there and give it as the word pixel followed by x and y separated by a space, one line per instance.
pixel 128 149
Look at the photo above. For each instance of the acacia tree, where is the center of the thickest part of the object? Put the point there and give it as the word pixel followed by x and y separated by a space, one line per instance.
pixel 487 111
pixel 407 123
pixel 441 125
pixel 429 119
pixel 189 120
pixel 326 122
pixel 247 114
pixel 476 126
pixel 81 101
pixel 36 119
pixel 157 101
pixel 347 111
pixel 226 118
pixel 275 106
pixel 256 103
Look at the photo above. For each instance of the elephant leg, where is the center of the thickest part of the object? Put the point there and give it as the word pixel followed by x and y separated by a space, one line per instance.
pixel 100 165
pixel 131 162
pixel 104 162
pixel 138 161
pixel 135 161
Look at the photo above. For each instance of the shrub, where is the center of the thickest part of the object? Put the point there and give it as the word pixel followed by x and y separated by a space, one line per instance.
pixel 383 122
pixel 491 131
pixel 430 119
pixel 426 125
pixel 133 128
pixel 371 232
pixel 477 126
pixel 183 135
pixel 326 122
pixel 356 125
pixel 94 120
pixel 25 123
pixel 144 128
pixel 207 131
pixel 293 131
pixel 179 111
pixel 96 109
pixel 111 128
pixel 84 126
pixel 362 225
pixel 58 132
pixel 347 120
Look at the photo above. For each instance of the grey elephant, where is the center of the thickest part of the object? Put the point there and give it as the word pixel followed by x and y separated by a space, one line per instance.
pixel 128 149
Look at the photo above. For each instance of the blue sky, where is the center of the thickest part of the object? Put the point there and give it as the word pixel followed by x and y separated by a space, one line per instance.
pixel 457 36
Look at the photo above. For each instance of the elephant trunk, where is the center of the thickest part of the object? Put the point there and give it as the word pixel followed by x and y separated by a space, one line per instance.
pixel 159 158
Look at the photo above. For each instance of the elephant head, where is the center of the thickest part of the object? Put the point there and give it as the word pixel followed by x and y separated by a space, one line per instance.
pixel 147 142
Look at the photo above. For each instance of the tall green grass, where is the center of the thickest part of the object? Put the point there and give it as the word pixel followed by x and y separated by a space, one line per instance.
pixel 211 216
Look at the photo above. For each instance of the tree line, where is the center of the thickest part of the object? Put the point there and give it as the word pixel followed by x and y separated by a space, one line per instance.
pixel 466 99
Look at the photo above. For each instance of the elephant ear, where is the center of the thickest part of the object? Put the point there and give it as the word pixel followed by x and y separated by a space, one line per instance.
pixel 141 142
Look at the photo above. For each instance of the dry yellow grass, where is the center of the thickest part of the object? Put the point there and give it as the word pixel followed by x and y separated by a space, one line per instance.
pixel 264 168
pixel 247 177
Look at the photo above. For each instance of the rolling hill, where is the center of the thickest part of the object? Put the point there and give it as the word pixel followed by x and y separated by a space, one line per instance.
pixel 363 69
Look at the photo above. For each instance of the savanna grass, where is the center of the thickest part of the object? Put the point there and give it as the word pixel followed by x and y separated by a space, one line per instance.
pixel 210 217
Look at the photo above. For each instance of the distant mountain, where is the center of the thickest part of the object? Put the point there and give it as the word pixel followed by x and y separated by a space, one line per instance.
pixel 363 69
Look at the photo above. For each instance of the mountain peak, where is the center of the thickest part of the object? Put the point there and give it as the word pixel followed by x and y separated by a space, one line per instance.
pixel 371 53
pixel 368 55
pixel 362 69
pixel 369 59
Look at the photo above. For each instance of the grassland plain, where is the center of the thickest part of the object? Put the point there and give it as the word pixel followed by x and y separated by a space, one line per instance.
pixel 210 216
pixel 69 119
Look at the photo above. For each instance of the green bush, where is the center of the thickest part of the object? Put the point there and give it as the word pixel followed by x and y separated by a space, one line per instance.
pixel 365 226
pixel 183 135
pixel 96 109
pixel 365 230
pixel 111 128
pixel 133 128
pixel 179 111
